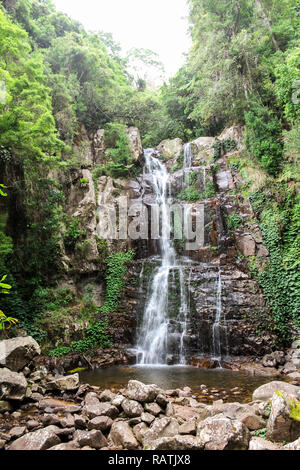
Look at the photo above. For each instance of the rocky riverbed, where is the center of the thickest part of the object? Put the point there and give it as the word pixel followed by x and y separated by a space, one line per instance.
pixel 43 411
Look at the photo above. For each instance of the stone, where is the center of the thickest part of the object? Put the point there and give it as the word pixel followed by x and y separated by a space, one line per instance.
pixel 50 420
pixel 295 377
pixel 188 427
pixel 246 244
pixel 140 392
pixel 274 359
pixel 42 439
pixel 139 431
pixel 176 443
pixel 132 408
pixel 121 434
pixel 13 385
pixel 72 445
pixel 147 418
pixel 225 181
pixel 265 392
pixel 162 400
pixel 32 424
pixel 135 142
pixel 222 433
pixel 79 422
pixel 118 400
pixel 107 396
pixel 257 443
pixel 5 406
pixel 293 445
pixel 170 148
pixel 17 431
pixel 93 439
pixel 164 427
pixel 16 353
pixel 68 421
pixel 251 420
pixel 153 408
pixel 281 426
pixel 64 383
pixel 93 407
pixel 100 423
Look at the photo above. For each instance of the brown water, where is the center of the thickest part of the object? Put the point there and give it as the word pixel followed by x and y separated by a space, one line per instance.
pixel 219 382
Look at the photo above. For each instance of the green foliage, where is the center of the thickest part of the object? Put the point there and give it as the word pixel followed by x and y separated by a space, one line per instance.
pixel 4 288
pixel 179 163
pixel 263 137
pixel 217 146
pixel 116 270
pixel 229 145
pixel 261 433
pixel 120 158
pixel 73 233
pixel 60 351
pixel 233 221
pixel 190 194
pixel 6 322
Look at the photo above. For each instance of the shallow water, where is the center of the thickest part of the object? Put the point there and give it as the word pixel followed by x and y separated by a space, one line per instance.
pixel 170 377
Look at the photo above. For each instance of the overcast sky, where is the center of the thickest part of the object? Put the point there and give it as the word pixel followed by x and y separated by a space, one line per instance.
pixel 159 25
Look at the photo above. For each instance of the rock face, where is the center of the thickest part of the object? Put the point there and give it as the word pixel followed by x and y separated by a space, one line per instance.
pixel 16 353
pixel 13 386
pixel 221 433
pixel 42 439
pixel 135 142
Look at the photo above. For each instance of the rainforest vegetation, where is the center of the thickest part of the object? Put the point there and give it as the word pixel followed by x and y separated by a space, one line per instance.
pixel 56 79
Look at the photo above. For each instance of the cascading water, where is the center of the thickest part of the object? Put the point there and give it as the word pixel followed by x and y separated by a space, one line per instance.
pixel 152 344
pixel 187 162
pixel 216 328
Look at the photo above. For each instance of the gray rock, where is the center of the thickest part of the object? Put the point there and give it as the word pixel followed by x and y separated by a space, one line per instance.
pixel 265 392
pixel 13 385
pixel 17 431
pixel 222 433
pixel 118 400
pixel 257 443
pixel 132 408
pixel 100 423
pixel 121 434
pixel 162 400
pixel 42 439
pixel 107 396
pixel 188 428
pixel 32 424
pixel 16 353
pixel 139 431
pixel 50 420
pixel 176 443
pixel 79 422
pixel 72 445
pixel 93 439
pixel 140 392
pixel 153 408
pixel 293 445
pixel 147 418
pixel 68 421
pixel 94 408
pixel 64 383
pixel 164 427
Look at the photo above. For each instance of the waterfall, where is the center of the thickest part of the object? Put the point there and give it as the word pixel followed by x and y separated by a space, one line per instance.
pixel 216 326
pixel 152 344
pixel 187 162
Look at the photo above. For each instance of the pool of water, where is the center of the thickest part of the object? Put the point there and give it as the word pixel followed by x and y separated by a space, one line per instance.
pixel 221 383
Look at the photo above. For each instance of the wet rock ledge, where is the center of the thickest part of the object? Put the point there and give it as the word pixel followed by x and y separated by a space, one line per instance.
pixel 42 411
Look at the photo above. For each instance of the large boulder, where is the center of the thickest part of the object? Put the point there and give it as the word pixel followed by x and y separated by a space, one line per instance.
pixel 121 435
pixel 222 433
pixel 140 392
pixel 170 148
pixel 16 353
pixel 13 385
pixel 282 424
pixel 265 392
pixel 42 439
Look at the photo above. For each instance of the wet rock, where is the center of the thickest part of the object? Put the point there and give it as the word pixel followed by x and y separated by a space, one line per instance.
pixel 222 433
pixel 65 383
pixel 93 439
pixel 42 439
pixel 265 392
pixel 16 353
pixel 121 434
pixel 100 423
pixel 13 385
pixel 140 392
pixel 153 408
pixel 176 443
pixel 281 426
pixel 257 443
pixel 132 408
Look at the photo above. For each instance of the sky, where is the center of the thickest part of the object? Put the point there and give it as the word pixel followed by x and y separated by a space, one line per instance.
pixel 158 25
